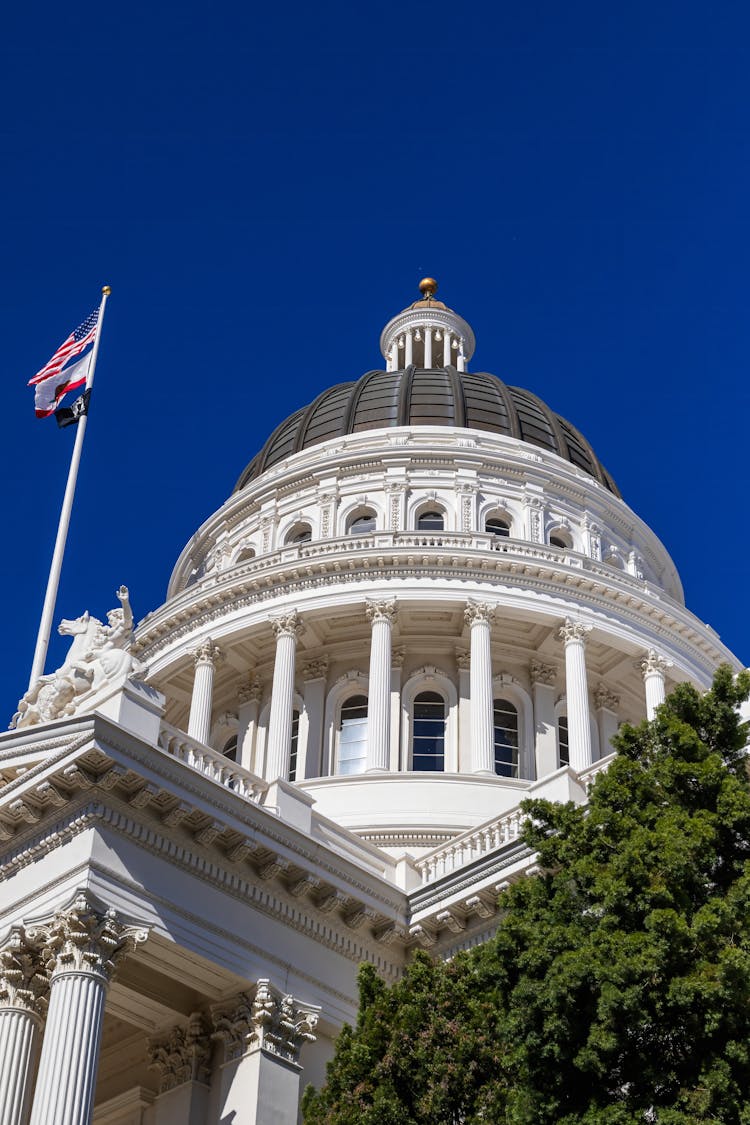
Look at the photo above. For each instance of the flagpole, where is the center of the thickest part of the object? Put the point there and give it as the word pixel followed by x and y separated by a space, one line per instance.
pixel 45 625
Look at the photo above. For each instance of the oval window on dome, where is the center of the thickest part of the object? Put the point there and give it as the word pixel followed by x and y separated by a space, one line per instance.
pixel 352 736
pixel 428 737
pixel 431 520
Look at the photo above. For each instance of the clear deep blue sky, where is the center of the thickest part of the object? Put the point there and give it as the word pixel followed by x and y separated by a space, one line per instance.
pixel 264 186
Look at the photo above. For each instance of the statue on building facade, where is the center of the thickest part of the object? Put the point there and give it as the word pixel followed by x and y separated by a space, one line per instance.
pixel 100 654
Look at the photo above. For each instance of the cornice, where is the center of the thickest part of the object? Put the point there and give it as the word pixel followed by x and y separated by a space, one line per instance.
pixel 527 567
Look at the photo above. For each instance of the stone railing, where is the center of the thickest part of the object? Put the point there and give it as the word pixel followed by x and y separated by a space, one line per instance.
pixel 211 763
pixel 493 834
pixel 471 845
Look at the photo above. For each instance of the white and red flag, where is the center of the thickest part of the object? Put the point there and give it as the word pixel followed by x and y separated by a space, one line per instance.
pixel 55 379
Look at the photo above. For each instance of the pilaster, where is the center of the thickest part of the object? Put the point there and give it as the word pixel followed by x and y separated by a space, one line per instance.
pixel 182 1059
pixel 543 679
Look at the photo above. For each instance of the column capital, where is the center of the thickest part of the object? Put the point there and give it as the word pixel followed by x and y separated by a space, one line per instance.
pixel 24 978
pixel 398 655
pixel 463 659
pixel 478 613
pixel 287 624
pixel 315 669
pixel 572 630
pixel 250 692
pixel 604 699
pixel 269 1020
pixel 653 663
pixel 543 673
pixel 206 653
pixel 85 939
pixel 384 610
pixel 182 1054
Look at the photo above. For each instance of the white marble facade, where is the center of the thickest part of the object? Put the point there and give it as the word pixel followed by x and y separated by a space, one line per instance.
pixel 314 755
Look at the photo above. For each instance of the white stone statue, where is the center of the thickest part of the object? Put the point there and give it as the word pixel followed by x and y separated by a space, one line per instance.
pixel 99 654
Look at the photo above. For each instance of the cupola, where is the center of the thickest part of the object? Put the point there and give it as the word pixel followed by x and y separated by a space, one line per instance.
pixel 427 334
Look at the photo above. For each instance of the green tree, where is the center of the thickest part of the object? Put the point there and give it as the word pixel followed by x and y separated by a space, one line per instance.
pixel 617 987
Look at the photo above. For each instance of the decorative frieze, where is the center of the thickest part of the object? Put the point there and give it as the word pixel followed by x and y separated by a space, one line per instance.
pixel 182 1055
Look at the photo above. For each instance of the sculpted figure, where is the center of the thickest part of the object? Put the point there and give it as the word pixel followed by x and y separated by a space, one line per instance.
pixel 99 653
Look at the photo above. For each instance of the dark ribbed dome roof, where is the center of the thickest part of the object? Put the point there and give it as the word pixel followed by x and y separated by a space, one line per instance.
pixel 472 400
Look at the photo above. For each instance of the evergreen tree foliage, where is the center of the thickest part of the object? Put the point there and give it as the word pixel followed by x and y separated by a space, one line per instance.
pixel 617 987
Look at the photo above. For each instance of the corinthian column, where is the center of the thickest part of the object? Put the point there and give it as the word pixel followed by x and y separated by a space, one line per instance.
pixel 23 986
pixel 380 614
pixel 574 633
pixel 287 628
pixel 82 946
pixel 653 666
pixel 478 617
pixel 206 657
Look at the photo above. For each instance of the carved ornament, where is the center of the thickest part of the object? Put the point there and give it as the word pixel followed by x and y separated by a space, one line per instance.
pixel 543 673
pixel 380 610
pixel 85 939
pixel 24 979
pixel 207 653
pixel 654 664
pixel 183 1055
pixel 288 624
pixel 605 699
pixel 571 631
pixel 479 613
pixel 269 1020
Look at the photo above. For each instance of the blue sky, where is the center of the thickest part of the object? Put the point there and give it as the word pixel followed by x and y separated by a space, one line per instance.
pixel 263 189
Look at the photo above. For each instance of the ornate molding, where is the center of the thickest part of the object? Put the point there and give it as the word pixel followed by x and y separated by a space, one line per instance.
pixel 315 669
pixel 84 939
pixel 183 1055
pixel 287 624
pixel 24 979
pixel 653 663
pixel 380 610
pixel 605 699
pixel 571 631
pixel 268 1021
pixel 206 653
pixel 543 673
pixel 479 613
pixel 250 692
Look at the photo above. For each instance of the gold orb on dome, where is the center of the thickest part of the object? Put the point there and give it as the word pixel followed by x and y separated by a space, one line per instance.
pixel 428 287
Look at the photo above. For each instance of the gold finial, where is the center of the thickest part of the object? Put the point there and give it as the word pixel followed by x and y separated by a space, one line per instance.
pixel 428 287
pixel 106 290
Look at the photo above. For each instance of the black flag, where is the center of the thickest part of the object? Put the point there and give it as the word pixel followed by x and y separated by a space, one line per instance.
pixel 69 415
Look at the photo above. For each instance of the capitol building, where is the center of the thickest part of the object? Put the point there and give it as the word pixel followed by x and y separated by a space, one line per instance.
pixel 424 601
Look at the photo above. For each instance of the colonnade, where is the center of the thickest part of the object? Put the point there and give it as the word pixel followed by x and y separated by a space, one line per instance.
pixel 60 969
pixel 440 347
pixel 479 616
pixel 54 978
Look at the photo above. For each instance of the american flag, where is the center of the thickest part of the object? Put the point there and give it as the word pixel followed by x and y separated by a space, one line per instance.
pixel 74 345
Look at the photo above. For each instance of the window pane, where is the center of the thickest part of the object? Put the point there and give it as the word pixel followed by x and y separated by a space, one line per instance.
pixel 505 720
pixel 431 521
pixel 362 525
pixel 497 527
pixel 295 742
pixel 563 741
pixel 428 737
pixel 352 749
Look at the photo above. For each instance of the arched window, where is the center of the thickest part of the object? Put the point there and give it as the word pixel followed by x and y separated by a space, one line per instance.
pixel 559 537
pixel 563 741
pixel 352 736
pixel 300 533
pixel 362 523
pixel 245 554
pixel 428 732
pixel 230 749
pixel 495 525
pixel 505 723
pixel 431 520
pixel 295 745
